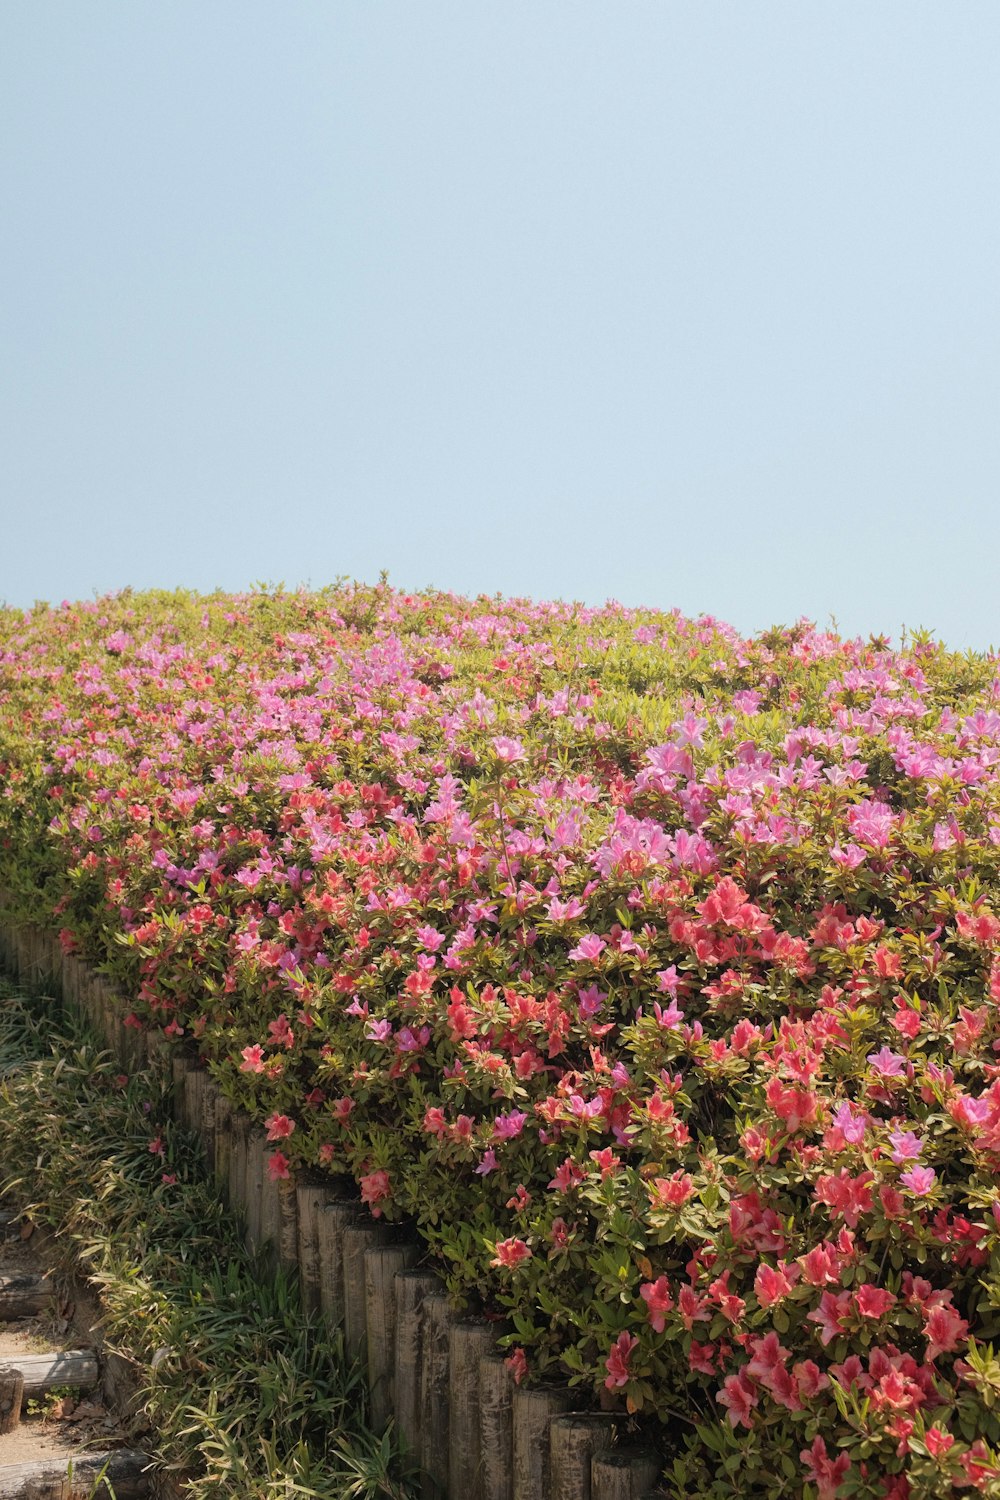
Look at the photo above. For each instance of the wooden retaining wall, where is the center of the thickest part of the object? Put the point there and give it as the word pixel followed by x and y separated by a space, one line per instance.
pixel 437 1375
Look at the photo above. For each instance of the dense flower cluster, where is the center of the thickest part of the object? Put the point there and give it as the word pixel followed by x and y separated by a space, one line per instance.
pixel 654 972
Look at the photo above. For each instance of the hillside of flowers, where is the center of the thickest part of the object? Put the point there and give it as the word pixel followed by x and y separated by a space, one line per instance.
pixel 651 971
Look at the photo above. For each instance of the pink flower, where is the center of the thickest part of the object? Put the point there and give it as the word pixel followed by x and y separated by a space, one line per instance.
pixel 968 1111
pixel 871 822
pixel 848 856
pixel 920 1180
pixel 588 948
pixel 374 1188
pixel 851 1126
pixel 253 1059
pixel 279 1127
pixel 692 1308
pixel 906 1146
pixel 508 749
pixel 617 1362
pixel 820 1265
pixel 281 1033
pixel 277 1165
pixel 507 1126
pixel 889 1064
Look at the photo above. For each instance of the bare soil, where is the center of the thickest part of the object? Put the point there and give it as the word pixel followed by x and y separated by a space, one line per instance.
pixel 59 1424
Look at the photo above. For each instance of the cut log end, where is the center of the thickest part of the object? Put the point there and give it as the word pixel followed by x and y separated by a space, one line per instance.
pixel 11 1397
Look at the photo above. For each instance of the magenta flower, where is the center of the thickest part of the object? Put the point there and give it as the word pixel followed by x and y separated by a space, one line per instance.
pixel 588 949
pixel 920 1180
pixel 906 1146
pixel 851 1126
pixel 508 750
pixel 889 1064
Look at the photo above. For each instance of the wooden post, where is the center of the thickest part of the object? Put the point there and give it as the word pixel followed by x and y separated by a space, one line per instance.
pixel 574 1440
pixel 256 1147
pixel 193 1083
pixel 496 1427
pixel 209 1118
pixel 434 1394
pixel 270 1206
pixel 310 1196
pixel 11 1396
pixel 331 1222
pixel 624 1473
pixel 158 1054
pixel 180 1066
pixel 239 1126
pixel 288 1224
pixel 411 1289
pixel 382 1263
pixel 21 957
pixel 135 1047
pixel 358 1238
pixel 223 1138
pixel 533 1411
pixel 70 980
pixel 468 1341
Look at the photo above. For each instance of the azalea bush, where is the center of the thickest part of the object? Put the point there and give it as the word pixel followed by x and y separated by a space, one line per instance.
pixel 653 972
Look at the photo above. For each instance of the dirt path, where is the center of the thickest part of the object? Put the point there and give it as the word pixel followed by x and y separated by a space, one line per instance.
pixel 66 1421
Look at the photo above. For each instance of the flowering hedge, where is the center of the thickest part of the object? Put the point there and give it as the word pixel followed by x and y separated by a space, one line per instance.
pixel 654 972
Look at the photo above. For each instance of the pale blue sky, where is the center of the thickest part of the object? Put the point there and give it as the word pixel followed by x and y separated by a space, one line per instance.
pixel 676 303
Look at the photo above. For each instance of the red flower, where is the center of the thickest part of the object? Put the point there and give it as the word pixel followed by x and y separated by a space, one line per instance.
pixel 511 1253
pixel 938 1442
pixel 873 1301
pixel 826 1474
pixel 656 1295
pixel 772 1283
pixel 832 1314
pixel 740 1396
pixel 944 1330
pixel 617 1361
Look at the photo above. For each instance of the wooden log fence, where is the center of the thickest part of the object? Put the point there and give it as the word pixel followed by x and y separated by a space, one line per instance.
pixel 438 1377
